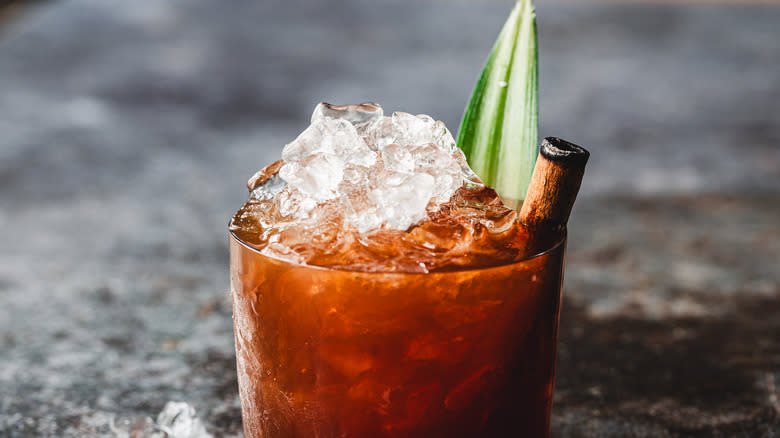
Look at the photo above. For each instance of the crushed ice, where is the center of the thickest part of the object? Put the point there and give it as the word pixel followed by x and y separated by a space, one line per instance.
pixel 176 420
pixel 377 170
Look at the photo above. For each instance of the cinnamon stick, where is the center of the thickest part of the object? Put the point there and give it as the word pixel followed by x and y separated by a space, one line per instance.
pixel 554 184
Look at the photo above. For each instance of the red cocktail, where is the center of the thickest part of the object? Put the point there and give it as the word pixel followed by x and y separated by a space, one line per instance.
pixel 334 353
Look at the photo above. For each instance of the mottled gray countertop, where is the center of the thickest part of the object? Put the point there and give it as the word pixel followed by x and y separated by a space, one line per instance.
pixel 128 129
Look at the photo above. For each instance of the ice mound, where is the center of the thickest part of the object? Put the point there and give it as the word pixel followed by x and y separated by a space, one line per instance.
pixel 382 171
pixel 362 191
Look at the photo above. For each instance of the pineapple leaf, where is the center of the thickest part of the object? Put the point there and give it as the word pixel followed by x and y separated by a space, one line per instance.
pixel 499 129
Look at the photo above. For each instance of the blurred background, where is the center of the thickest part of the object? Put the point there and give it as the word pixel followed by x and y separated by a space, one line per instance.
pixel 128 131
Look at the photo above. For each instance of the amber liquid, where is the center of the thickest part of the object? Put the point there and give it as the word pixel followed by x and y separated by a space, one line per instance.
pixel 333 353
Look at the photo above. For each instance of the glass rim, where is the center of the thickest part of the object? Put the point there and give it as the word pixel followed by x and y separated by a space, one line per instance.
pixel 547 250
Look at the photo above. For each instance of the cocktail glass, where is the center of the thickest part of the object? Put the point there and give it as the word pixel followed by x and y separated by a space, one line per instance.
pixel 325 352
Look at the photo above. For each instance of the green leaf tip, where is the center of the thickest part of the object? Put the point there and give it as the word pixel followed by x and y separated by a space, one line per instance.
pixel 499 130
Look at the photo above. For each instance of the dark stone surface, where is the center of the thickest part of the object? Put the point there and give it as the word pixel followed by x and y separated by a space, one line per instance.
pixel 128 130
pixel 671 319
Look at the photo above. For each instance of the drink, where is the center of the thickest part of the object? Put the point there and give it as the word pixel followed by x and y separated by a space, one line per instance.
pixel 441 321
pixel 329 353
